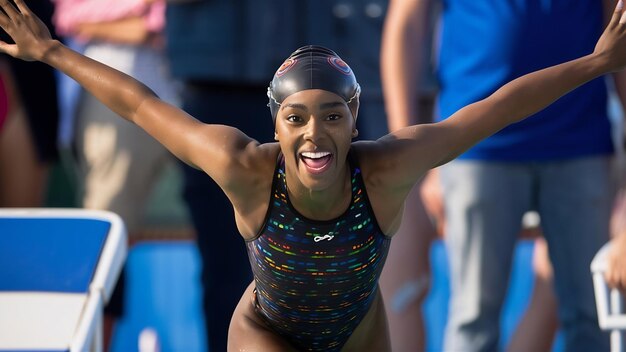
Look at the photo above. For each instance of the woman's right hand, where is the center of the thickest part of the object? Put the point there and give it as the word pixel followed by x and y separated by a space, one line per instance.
pixel 31 36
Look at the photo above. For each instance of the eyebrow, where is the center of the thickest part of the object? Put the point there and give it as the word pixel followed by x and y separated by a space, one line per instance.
pixel 322 106
pixel 331 105
pixel 295 106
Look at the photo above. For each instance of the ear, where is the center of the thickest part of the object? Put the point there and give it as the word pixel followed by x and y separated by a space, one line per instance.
pixel 355 133
pixel 275 136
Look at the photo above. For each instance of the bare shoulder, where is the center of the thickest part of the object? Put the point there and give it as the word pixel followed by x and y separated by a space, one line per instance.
pixel 249 189
pixel 377 168
pixel 253 168
pixel 370 155
pixel 379 160
pixel 401 158
pixel 393 164
pixel 259 156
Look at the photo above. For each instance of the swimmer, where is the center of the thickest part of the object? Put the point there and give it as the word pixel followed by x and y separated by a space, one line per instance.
pixel 317 211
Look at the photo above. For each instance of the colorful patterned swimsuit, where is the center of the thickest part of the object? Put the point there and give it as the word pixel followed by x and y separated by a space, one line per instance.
pixel 316 280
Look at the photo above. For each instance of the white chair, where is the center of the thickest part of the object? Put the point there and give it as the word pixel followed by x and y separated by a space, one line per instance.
pixel 609 302
pixel 58 268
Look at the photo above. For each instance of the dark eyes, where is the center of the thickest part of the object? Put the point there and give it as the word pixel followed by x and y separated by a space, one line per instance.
pixel 294 118
pixel 298 119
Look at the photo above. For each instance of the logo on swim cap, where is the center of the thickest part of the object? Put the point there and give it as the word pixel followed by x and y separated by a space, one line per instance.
pixel 286 66
pixel 339 64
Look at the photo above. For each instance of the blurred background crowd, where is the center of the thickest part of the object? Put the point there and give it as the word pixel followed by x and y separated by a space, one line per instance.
pixel 495 247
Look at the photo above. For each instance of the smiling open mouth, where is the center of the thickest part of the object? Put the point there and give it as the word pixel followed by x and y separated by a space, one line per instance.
pixel 316 162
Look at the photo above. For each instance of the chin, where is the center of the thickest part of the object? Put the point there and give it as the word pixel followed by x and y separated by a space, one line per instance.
pixel 318 182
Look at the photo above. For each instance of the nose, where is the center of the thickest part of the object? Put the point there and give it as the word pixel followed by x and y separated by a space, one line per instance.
pixel 314 129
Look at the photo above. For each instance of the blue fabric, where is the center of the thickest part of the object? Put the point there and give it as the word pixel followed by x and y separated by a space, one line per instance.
pixel 487 43
pixel 50 254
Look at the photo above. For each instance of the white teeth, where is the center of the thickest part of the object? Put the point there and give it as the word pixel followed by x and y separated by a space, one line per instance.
pixel 314 155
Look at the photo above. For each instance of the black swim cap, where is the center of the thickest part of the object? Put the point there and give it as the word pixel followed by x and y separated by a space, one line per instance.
pixel 313 67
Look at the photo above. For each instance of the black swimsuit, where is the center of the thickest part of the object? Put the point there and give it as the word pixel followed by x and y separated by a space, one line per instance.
pixel 316 280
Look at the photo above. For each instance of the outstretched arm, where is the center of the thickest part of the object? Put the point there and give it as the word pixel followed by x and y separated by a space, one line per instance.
pixel 435 144
pixel 216 149
pixel 404 39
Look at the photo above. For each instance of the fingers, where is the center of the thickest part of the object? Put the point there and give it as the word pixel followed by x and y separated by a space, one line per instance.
pixel 24 9
pixel 9 9
pixel 4 20
pixel 7 15
pixel 617 14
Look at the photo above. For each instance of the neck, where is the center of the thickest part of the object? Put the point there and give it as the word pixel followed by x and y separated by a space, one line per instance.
pixel 323 204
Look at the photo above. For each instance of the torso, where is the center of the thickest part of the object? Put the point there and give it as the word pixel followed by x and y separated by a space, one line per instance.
pixel 317 280
pixel 518 37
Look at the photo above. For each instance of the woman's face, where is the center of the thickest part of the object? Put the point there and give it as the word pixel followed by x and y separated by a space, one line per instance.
pixel 315 128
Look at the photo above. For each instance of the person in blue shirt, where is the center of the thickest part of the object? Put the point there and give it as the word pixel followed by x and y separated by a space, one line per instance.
pixel 557 162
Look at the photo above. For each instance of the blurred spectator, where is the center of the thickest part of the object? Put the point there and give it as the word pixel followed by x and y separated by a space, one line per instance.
pixel 224 52
pixel 406 278
pixel 118 162
pixel 526 166
pixel 28 124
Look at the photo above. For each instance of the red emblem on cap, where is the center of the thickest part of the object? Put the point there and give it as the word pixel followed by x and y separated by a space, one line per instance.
pixel 286 66
pixel 339 65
